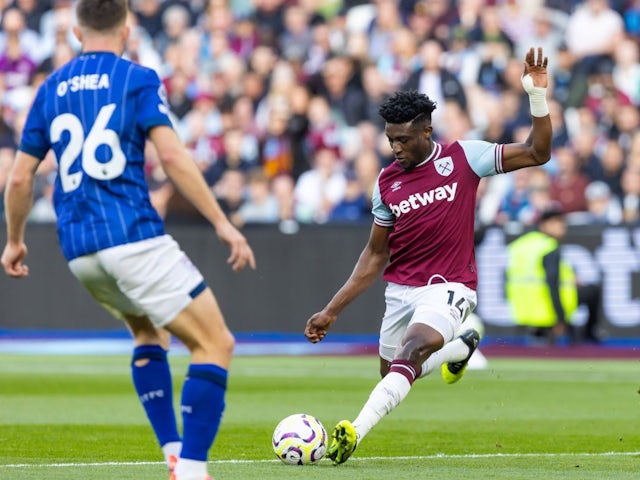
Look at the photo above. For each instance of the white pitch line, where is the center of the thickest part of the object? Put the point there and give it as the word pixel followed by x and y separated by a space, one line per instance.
pixel 437 456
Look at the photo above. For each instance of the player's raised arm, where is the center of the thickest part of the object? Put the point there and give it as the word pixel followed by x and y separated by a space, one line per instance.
pixel 18 202
pixel 370 264
pixel 185 175
pixel 537 148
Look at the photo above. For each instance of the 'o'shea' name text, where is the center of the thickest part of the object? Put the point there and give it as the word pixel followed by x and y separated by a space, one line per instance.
pixel 83 82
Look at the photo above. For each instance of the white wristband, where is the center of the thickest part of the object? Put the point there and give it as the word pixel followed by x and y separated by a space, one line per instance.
pixel 537 97
pixel 538 102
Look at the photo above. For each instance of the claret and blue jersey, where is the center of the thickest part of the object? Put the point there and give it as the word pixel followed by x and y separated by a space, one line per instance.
pixel 431 209
pixel 95 113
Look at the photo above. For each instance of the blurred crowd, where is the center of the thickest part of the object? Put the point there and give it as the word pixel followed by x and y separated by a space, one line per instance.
pixel 277 100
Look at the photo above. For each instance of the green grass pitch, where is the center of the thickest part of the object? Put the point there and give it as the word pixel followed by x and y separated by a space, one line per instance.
pixel 77 417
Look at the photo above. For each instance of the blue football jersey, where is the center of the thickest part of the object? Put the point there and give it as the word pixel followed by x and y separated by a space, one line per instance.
pixel 95 113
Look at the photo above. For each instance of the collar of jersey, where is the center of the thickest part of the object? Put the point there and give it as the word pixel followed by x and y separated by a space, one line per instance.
pixel 435 153
pixel 96 52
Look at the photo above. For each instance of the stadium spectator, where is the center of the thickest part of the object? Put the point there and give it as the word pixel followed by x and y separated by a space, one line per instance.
pixel 612 163
pixel 139 48
pixel 243 38
pixel 177 86
pixel 260 206
pixel 32 11
pixel 387 20
pixel 568 183
pixel 17 46
pixel 319 189
pixel 276 155
pixel 542 288
pixel 443 16
pixel 268 16
pixel 427 254
pixel 149 15
pixel 539 196
pixel 631 194
pixel 296 39
pixel 354 207
pixel 283 187
pixel 366 167
pixel 136 271
pixel 324 131
pixel 231 191
pixel 298 129
pixel 593 31
pixel 43 210
pixel 626 123
pixel 560 132
pixel 400 61
pixel 547 31
pixel 56 27
pixel 431 77
pixel 516 201
pixel 632 18
pixel 341 86
pixel 626 69
pixel 603 208
pixel 175 22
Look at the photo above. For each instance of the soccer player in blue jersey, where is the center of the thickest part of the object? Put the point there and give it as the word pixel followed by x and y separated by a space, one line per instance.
pixel 423 239
pixel 96 113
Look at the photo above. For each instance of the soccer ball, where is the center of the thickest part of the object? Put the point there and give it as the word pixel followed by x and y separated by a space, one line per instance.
pixel 300 439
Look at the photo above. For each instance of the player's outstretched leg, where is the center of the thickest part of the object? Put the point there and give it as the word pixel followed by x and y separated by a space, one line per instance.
pixel 453 371
pixel 343 442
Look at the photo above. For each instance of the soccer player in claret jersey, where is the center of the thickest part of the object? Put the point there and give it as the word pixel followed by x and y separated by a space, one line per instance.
pixel 96 113
pixel 423 239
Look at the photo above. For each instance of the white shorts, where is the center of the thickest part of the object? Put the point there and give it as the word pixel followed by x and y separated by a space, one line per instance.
pixel 152 278
pixel 442 306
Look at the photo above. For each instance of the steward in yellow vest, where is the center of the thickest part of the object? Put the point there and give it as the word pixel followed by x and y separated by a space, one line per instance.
pixel 541 287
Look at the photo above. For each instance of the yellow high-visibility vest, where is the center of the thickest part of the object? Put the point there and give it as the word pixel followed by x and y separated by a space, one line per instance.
pixel 526 286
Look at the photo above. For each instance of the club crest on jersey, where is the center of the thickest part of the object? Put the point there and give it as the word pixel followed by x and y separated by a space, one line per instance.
pixel 396 186
pixel 444 166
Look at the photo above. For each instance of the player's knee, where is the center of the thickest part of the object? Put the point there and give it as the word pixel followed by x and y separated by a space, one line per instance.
pixel 418 348
pixel 221 342
pixel 385 365
pixel 228 342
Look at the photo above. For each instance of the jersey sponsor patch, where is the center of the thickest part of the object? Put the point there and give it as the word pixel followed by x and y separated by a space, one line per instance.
pixel 419 200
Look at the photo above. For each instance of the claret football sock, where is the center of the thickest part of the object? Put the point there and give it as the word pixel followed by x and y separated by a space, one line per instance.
pixel 152 381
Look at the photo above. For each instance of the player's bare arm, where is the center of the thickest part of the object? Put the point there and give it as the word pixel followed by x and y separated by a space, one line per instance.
pixel 185 175
pixel 18 202
pixel 370 265
pixel 536 150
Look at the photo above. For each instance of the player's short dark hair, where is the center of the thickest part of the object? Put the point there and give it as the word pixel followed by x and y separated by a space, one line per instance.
pixel 101 15
pixel 404 106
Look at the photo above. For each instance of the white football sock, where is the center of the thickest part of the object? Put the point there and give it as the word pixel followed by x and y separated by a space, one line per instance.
pixel 188 469
pixel 386 396
pixel 171 448
pixel 454 351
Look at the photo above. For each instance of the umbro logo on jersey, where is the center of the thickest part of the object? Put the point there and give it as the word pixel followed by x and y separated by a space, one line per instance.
pixel 444 166
pixel 396 186
pixel 419 200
